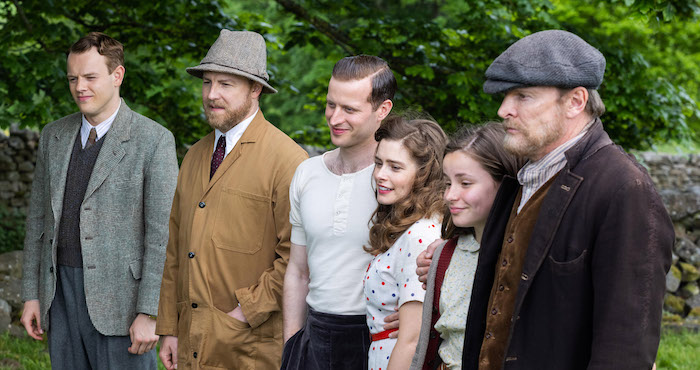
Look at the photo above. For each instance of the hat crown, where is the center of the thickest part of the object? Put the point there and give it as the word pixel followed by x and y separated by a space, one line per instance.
pixel 546 58
pixel 242 50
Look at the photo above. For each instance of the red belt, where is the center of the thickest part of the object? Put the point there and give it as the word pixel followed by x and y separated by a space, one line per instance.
pixel 382 335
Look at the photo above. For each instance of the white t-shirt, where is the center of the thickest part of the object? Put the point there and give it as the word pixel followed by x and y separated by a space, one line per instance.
pixel 330 215
pixel 391 281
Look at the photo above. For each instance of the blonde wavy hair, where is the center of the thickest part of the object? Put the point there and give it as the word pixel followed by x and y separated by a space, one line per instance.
pixel 425 141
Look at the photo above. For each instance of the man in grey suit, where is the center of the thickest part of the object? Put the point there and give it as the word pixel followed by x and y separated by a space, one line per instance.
pixel 97 224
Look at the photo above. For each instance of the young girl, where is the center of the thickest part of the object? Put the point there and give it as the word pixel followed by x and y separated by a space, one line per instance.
pixel 408 179
pixel 474 165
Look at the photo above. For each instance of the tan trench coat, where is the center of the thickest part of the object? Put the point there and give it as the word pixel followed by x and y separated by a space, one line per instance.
pixel 229 245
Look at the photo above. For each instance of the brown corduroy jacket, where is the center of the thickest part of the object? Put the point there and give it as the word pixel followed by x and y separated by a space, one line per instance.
pixel 593 279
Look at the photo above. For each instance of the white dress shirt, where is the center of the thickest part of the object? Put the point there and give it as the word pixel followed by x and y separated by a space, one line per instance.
pixel 101 128
pixel 234 134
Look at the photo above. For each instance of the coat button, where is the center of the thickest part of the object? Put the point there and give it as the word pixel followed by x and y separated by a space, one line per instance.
pixel 433 334
pixel 194 355
pixel 488 335
pixel 504 263
pixel 501 287
pixel 202 204
pixel 190 255
pixel 494 311
pixel 194 305
pixel 510 239
pixel 50 269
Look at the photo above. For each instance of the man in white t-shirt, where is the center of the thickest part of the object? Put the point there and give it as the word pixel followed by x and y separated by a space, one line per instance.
pixel 332 200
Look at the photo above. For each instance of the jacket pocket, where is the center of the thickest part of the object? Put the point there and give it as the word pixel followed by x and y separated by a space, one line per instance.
pixel 135 268
pixel 572 267
pixel 229 343
pixel 241 221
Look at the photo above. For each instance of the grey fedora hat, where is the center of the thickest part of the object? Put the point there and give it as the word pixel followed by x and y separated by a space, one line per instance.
pixel 240 53
pixel 547 58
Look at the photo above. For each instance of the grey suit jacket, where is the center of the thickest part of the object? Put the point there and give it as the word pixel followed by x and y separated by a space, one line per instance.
pixel 123 218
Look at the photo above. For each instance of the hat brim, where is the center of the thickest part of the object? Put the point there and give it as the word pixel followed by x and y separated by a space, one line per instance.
pixel 199 70
pixel 498 86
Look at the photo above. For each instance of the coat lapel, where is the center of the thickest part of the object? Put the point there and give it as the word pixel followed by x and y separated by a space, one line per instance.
pixel 59 157
pixel 112 150
pixel 250 135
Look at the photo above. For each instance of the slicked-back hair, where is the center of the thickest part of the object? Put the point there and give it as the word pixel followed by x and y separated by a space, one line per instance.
pixel 425 141
pixel 484 144
pixel 110 48
pixel 362 66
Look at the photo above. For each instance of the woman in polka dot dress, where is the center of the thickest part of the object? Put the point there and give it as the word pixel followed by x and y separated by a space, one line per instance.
pixel 408 177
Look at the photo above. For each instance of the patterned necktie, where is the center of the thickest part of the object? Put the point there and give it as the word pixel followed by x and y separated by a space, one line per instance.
pixel 91 138
pixel 218 156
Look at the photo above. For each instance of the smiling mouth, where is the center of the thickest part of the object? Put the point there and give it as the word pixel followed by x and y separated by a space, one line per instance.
pixel 454 210
pixel 383 189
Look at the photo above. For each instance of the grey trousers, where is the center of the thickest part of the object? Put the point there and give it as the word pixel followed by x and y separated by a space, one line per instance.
pixel 74 343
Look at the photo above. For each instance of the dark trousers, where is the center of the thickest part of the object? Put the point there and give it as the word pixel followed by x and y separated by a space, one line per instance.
pixel 74 343
pixel 328 342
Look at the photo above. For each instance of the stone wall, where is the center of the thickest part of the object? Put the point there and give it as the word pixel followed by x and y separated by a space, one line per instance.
pixel 677 178
pixel 17 158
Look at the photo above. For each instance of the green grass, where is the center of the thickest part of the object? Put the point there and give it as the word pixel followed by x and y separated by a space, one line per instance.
pixel 23 353
pixel 27 353
pixel 678 351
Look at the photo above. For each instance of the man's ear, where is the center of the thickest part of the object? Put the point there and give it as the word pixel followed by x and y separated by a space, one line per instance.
pixel 576 101
pixel 256 90
pixel 384 109
pixel 118 75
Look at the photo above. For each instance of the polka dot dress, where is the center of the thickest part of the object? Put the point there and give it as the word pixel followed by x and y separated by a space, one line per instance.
pixel 391 281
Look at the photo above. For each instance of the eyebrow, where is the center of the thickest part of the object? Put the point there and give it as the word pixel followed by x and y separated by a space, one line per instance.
pixel 328 100
pixel 461 175
pixel 394 162
pixel 91 74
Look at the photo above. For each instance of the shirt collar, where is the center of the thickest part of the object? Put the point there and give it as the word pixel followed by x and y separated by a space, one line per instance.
pixel 468 243
pixel 101 128
pixel 551 163
pixel 235 133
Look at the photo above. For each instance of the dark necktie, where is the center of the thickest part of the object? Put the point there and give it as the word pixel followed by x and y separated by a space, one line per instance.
pixel 91 138
pixel 218 156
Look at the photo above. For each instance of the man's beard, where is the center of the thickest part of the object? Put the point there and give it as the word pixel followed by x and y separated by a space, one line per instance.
pixel 530 143
pixel 231 118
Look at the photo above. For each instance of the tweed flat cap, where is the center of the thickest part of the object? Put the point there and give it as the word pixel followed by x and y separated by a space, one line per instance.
pixel 547 58
pixel 240 53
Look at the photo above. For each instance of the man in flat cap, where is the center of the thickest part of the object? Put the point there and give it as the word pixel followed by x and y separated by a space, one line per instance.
pixel 575 251
pixel 97 224
pixel 221 296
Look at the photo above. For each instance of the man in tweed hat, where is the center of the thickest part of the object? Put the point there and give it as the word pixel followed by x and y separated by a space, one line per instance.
pixel 575 252
pixel 221 296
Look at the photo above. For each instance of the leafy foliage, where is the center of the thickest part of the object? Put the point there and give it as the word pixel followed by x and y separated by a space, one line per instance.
pixel 12 226
pixel 438 50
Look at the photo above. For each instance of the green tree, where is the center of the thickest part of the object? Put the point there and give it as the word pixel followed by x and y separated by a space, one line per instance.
pixel 439 50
